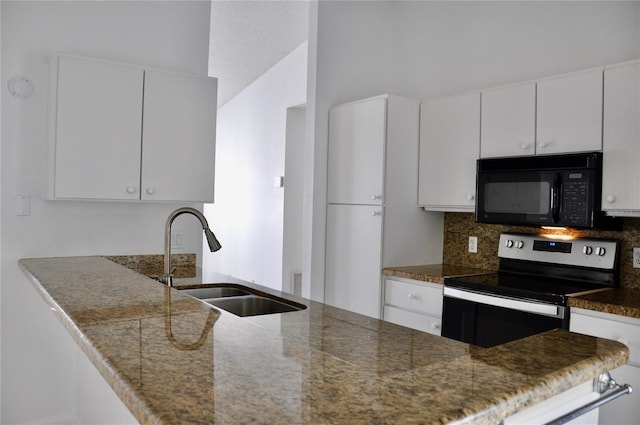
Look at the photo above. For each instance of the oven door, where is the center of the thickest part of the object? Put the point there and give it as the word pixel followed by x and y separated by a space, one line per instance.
pixel 487 320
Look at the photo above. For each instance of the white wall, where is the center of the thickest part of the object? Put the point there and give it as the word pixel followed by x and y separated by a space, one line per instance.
pixel 247 216
pixel 423 49
pixel 350 47
pixel 442 48
pixel 293 195
pixel 37 354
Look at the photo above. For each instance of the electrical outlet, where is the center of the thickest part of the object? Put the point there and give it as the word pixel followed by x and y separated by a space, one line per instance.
pixel 636 258
pixel 473 244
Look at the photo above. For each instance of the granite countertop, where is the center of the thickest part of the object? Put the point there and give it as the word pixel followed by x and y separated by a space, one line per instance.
pixel 434 273
pixel 620 301
pixel 173 359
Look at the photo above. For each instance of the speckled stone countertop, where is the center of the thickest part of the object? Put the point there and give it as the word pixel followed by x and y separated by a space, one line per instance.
pixel 434 273
pixel 621 301
pixel 173 359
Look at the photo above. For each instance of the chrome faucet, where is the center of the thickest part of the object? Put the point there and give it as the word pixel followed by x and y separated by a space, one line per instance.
pixel 214 245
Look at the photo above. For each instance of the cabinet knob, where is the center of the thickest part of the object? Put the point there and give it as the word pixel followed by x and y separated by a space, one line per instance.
pixel 376 197
pixel 411 296
pixel 470 197
pixel 524 146
pixel 376 213
pixel 610 198
pixel 435 326
pixel 543 145
pixel 131 189
pixel 151 190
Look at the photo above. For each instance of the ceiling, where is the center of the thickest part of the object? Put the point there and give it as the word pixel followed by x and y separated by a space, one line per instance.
pixel 249 37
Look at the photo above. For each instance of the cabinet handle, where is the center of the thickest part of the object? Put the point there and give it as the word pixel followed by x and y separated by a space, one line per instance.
pixel 131 190
pixel 376 213
pixel 151 191
pixel 610 199
pixel 376 197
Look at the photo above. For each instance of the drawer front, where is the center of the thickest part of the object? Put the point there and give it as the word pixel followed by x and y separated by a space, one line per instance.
pixel 421 322
pixel 626 333
pixel 416 297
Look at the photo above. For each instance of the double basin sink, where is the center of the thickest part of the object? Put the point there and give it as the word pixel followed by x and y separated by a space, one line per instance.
pixel 241 300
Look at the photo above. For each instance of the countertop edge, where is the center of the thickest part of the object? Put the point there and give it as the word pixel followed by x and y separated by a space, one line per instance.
pixel 127 395
pixel 512 402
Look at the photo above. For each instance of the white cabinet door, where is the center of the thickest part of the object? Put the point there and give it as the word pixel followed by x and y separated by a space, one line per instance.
pixel 570 114
pixel 353 255
pixel 95 151
pixel 178 137
pixel 410 319
pixel 621 143
pixel 357 134
pixel 449 148
pixel 625 410
pixel 508 121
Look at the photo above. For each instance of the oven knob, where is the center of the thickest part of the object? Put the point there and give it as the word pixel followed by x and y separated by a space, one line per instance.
pixel 587 250
pixel 519 244
pixel 508 243
pixel 600 251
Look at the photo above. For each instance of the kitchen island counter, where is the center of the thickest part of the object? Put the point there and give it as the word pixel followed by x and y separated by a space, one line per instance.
pixel 173 359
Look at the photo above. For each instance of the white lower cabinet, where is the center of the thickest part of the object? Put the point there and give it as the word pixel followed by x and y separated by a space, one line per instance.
pixel 625 410
pixel 414 304
pixel 352 279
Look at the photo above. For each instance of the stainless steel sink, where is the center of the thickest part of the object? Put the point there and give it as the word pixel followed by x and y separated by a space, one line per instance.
pixel 240 300
pixel 215 292
pixel 254 305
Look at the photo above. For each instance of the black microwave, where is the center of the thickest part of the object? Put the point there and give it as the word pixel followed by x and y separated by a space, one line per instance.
pixel 552 190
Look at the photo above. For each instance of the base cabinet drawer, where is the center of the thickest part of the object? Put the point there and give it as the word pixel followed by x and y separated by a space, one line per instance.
pixel 421 322
pixel 420 297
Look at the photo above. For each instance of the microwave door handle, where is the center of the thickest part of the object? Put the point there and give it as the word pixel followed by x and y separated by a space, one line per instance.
pixel 555 197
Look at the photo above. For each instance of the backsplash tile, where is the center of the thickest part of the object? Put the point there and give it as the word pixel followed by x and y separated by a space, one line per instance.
pixel 459 226
pixel 153 264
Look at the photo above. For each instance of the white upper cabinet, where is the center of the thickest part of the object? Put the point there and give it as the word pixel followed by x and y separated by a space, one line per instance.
pixel 357 134
pixel 621 143
pixel 98 123
pixel 120 132
pixel 179 131
pixel 449 148
pixel 569 115
pixel 508 121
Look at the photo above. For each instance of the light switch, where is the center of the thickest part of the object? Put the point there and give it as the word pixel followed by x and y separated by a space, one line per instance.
pixel 23 205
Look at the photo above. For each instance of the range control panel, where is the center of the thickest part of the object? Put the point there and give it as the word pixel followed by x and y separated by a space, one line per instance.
pixel 581 252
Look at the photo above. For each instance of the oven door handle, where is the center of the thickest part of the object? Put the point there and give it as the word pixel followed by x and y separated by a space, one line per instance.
pixel 506 302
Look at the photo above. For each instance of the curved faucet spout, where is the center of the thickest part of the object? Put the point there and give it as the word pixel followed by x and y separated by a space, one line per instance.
pixel 213 243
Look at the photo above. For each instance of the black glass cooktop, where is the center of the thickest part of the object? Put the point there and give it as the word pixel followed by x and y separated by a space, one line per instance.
pixel 532 288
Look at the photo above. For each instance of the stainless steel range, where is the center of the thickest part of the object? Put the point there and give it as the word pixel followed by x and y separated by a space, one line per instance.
pixel 530 291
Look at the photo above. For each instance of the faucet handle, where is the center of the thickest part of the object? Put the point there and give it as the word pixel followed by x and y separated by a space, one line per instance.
pixel 167 279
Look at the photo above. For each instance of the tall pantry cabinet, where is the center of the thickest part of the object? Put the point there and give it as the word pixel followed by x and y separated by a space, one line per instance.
pixel 373 217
